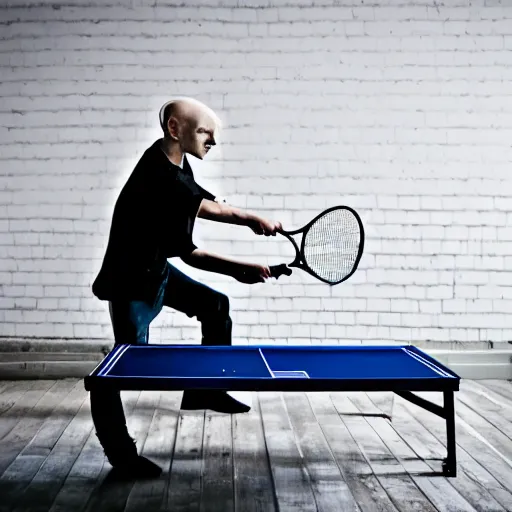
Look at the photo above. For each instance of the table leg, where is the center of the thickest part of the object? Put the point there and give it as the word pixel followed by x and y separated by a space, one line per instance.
pixel 447 412
pixel 450 463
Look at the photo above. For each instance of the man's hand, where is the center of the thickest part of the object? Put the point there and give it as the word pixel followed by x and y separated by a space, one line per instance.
pixel 263 226
pixel 252 273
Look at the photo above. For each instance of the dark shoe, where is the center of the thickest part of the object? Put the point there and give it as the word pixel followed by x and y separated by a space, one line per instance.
pixel 218 401
pixel 227 404
pixel 193 399
pixel 127 464
pixel 136 468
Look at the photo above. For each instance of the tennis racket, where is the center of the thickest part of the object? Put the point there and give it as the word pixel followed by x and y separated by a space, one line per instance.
pixel 331 247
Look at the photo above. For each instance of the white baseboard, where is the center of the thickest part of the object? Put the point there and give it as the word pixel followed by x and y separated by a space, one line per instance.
pixel 45 369
pixel 476 364
pixel 57 359
pixel 50 358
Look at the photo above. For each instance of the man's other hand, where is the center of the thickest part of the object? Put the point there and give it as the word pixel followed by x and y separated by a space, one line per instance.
pixel 263 226
pixel 252 273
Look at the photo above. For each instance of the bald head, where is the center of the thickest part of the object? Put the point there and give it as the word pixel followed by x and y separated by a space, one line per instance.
pixel 189 126
pixel 187 112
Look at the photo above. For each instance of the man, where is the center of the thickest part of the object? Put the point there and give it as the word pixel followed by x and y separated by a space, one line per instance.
pixel 153 220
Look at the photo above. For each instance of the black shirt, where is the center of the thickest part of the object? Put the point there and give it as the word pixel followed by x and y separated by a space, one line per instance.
pixel 153 220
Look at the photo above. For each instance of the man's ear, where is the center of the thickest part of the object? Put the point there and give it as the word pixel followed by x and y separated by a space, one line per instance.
pixel 173 128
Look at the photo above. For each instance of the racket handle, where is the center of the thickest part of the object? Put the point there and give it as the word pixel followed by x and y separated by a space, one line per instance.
pixel 278 270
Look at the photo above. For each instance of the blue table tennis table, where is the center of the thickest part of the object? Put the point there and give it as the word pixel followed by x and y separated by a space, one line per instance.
pixel 401 369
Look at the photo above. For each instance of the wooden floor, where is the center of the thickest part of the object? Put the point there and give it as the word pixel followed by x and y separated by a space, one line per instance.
pixel 293 451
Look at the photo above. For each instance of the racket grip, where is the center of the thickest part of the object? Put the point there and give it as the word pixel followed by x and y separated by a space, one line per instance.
pixel 278 270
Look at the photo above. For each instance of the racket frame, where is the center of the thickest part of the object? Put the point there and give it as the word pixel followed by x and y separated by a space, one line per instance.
pixel 300 261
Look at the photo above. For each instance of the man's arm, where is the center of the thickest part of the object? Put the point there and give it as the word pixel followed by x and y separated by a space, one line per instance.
pixel 244 272
pixel 221 212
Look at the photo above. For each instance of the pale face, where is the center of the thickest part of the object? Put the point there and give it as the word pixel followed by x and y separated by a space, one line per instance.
pixel 199 137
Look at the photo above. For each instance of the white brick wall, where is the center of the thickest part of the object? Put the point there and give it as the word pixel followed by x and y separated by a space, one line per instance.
pixel 401 109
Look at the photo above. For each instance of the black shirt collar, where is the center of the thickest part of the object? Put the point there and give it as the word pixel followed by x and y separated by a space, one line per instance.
pixel 161 157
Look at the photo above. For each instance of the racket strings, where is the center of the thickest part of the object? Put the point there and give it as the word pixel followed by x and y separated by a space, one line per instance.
pixel 331 245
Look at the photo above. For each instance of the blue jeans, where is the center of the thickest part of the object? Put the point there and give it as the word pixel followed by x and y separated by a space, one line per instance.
pixel 131 321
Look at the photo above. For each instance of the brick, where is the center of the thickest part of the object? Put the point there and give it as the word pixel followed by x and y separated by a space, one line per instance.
pixel 367 319
pixel 389 319
pixel 318 331
pixel 439 292
pixel 279 330
pixel 404 306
